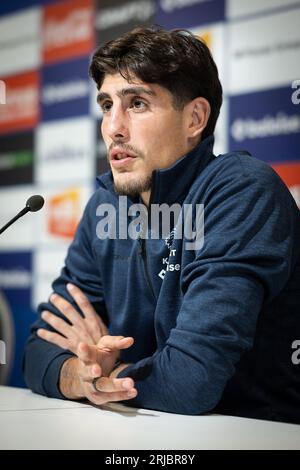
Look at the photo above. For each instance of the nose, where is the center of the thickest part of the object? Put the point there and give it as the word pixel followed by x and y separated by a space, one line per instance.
pixel 117 125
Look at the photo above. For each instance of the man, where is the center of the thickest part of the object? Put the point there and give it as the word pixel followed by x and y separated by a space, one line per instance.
pixel 159 321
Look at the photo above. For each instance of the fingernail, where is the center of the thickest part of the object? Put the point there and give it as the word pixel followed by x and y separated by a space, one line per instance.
pixel 132 393
pixel 44 315
pixel 53 296
pixel 70 286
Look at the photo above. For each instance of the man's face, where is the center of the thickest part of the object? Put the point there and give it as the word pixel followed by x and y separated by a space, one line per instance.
pixel 142 131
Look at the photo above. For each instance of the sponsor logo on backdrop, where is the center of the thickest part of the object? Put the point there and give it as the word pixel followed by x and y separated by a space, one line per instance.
pixel 15 278
pixel 265 123
pixel 16 159
pixel 21 110
pixel 65 89
pixel 268 125
pixel 170 5
pixel 236 8
pixel 15 271
pixel 264 52
pixel 65 150
pixel 290 174
pixel 64 211
pixel 189 13
pixel 115 18
pixel 20 41
pixel 64 153
pixel 67 29
pixel 123 13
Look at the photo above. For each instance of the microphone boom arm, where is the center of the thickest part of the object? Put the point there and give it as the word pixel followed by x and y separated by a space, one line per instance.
pixel 16 217
pixel 33 204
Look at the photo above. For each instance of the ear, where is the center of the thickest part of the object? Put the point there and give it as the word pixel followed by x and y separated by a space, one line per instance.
pixel 199 112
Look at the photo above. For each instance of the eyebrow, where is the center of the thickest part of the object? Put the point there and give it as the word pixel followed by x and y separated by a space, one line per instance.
pixel 139 90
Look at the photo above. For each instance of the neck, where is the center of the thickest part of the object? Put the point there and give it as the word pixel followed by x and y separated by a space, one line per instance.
pixel 145 196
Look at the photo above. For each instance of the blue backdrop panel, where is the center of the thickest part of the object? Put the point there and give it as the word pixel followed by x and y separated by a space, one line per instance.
pixel 266 123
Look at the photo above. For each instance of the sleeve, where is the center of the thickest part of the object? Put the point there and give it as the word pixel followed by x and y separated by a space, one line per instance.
pixel 250 244
pixel 43 360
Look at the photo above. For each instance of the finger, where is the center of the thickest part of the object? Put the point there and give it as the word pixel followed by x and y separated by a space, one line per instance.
pixel 105 397
pixel 105 384
pixel 112 343
pixel 58 324
pixel 54 338
pixel 88 373
pixel 88 354
pixel 67 309
pixel 86 307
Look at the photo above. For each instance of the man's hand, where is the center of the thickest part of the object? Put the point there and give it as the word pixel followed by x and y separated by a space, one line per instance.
pixel 88 329
pixel 78 373
pixel 87 337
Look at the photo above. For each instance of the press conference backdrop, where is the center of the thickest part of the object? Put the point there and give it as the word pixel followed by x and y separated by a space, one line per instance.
pixel 50 142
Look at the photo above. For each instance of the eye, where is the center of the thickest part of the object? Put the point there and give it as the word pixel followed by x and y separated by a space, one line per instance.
pixel 138 103
pixel 105 107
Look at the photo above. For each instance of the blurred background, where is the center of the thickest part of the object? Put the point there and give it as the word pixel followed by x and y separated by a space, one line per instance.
pixel 50 141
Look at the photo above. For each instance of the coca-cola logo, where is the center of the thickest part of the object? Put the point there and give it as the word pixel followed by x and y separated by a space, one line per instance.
pixel 73 28
pixel 67 30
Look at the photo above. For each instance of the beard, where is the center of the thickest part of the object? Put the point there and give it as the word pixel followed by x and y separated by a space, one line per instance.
pixel 134 188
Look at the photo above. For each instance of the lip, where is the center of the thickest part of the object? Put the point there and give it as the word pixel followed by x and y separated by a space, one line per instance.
pixel 123 162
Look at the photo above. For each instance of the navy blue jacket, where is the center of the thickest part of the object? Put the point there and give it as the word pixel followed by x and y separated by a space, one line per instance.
pixel 214 333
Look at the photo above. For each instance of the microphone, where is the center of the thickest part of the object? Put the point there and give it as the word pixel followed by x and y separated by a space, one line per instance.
pixel 33 204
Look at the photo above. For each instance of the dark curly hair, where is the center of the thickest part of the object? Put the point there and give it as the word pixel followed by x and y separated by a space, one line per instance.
pixel 176 60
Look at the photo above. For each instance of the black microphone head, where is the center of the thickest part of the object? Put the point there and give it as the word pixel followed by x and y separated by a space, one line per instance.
pixel 35 203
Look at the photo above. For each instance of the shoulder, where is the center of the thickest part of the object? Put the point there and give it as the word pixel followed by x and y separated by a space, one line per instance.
pixel 240 169
pixel 240 164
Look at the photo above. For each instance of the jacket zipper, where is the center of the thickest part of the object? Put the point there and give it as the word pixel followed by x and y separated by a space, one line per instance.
pixel 145 262
pixel 143 244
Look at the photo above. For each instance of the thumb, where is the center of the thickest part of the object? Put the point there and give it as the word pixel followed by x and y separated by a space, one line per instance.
pixel 113 343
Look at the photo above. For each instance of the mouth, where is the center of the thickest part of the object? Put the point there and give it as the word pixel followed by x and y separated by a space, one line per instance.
pixel 119 158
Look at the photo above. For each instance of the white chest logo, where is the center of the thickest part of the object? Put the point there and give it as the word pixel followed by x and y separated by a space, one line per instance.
pixel 169 265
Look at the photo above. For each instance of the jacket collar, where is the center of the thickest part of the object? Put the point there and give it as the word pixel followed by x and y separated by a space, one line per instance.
pixel 171 184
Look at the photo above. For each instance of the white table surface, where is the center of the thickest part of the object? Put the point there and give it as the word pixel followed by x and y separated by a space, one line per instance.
pixel 30 421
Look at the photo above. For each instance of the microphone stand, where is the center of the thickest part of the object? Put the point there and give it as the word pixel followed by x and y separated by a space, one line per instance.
pixel 16 217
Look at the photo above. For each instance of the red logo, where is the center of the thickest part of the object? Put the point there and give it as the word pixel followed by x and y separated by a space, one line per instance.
pixel 21 109
pixel 68 29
